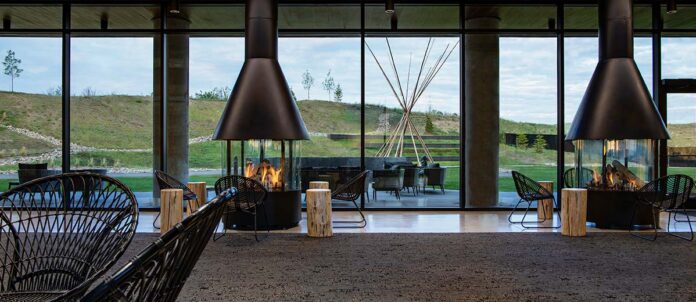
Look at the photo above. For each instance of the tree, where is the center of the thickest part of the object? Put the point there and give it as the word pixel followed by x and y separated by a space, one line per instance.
pixel 12 69
pixel 539 144
pixel 522 141
pixel 429 126
pixel 338 94
pixel 329 84
pixel 307 81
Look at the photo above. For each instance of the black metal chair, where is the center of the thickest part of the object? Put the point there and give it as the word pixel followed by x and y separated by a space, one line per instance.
pixel 166 181
pixel 60 233
pixel 352 191
pixel 530 191
pixel 570 177
pixel 669 194
pixel 160 271
pixel 250 195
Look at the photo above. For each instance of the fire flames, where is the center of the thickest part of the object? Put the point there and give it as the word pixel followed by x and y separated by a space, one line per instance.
pixel 617 178
pixel 267 174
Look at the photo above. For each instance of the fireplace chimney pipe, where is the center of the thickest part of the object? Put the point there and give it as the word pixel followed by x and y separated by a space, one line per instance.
pixel 617 103
pixel 261 105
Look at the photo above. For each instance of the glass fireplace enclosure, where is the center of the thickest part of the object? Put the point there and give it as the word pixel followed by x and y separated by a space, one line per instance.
pixel 621 165
pixel 274 163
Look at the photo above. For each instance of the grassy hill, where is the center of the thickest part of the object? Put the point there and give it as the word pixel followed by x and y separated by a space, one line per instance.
pixel 125 122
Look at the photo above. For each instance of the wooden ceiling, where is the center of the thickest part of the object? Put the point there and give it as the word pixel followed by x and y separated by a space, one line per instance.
pixel 326 17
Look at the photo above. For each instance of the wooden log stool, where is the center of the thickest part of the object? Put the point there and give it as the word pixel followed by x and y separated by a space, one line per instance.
pixel 545 206
pixel 171 208
pixel 201 192
pixel 319 213
pixel 574 212
pixel 319 185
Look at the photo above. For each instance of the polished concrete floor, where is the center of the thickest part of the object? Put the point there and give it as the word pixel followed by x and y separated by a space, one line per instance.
pixel 429 222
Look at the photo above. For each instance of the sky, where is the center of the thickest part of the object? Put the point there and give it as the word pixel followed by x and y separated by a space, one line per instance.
pixel 527 69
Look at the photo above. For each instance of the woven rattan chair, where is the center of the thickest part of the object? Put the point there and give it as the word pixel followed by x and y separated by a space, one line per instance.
pixel 570 177
pixel 60 233
pixel 669 194
pixel 530 191
pixel 160 271
pixel 249 197
pixel 352 191
pixel 166 181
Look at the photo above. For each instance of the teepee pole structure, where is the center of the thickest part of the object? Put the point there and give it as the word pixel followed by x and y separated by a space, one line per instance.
pixel 407 98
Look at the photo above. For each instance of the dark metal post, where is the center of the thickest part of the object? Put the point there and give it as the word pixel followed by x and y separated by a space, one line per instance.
pixel 462 111
pixel 163 87
pixel 659 95
pixel 560 99
pixel 65 97
pixel 362 95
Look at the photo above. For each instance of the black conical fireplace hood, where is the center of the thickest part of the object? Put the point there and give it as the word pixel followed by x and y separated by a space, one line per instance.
pixel 261 105
pixel 617 104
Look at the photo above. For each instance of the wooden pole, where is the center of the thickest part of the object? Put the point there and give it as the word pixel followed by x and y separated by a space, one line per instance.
pixel 319 213
pixel 171 208
pixel 201 197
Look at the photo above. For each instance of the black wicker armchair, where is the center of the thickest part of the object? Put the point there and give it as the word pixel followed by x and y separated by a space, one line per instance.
pixel 166 181
pixel 570 177
pixel 249 198
pixel 160 271
pixel 352 191
pixel 60 233
pixel 530 191
pixel 669 194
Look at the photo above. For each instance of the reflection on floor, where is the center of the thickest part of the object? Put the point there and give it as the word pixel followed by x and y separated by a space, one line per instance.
pixel 431 198
pixel 427 222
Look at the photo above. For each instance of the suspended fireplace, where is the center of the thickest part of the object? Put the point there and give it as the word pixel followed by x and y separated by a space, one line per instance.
pixel 263 117
pixel 617 127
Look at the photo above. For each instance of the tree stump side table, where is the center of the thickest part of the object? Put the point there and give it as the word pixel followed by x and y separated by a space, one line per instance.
pixel 199 189
pixel 574 212
pixel 545 206
pixel 319 185
pixel 171 208
pixel 319 213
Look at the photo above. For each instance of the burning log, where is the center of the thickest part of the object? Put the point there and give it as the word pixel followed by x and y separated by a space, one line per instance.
pixel 626 175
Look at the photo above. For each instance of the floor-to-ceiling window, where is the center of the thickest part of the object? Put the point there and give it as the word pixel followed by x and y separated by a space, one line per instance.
pixel 320 56
pixel 412 107
pixel 527 113
pixel 30 92
pixel 30 106
pixel 214 65
pixel 679 62
pixel 324 78
pixel 111 104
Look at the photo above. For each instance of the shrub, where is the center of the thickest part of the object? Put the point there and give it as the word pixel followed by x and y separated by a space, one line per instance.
pixel 522 141
pixel 539 143
pixel 429 126
pixel 215 94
